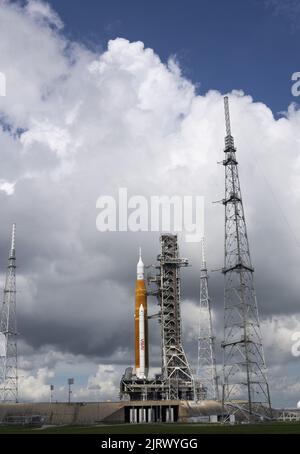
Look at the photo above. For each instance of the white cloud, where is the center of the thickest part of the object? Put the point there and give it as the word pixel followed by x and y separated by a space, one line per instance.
pixel 278 336
pixel 35 387
pixel 56 138
pixel 39 369
pixel 7 187
pixel 105 382
pixel 42 11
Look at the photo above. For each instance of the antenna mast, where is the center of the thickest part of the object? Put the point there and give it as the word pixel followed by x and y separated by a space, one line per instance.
pixel 206 371
pixel 8 331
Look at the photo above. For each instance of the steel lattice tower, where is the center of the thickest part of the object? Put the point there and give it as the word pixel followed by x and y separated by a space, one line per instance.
pixel 8 332
pixel 206 370
pixel 245 383
pixel 175 367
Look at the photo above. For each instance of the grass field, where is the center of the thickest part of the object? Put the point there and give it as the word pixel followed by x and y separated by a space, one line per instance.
pixel 147 429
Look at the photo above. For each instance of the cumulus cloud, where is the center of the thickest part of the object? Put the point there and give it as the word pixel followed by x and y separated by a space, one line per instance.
pixel 47 366
pixel 105 381
pixel 279 337
pixel 42 11
pixel 36 387
pixel 77 124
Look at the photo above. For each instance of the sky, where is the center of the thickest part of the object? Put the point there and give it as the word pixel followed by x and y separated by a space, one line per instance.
pixel 220 45
pixel 130 94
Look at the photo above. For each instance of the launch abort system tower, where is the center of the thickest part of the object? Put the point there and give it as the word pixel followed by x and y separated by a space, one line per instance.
pixel 245 383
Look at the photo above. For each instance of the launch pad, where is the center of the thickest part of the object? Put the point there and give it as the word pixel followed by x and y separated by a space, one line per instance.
pixel 157 388
pixel 176 381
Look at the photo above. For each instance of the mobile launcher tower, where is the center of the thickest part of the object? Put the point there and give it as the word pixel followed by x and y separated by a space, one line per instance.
pixel 176 380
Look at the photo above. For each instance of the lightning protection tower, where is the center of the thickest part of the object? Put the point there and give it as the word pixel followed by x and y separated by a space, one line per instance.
pixel 8 331
pixel 206 370
pixel 245 384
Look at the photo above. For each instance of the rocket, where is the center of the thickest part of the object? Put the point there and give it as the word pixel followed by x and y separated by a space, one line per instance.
pixel 141 323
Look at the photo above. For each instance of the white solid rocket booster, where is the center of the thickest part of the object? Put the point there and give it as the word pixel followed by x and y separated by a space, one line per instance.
pixel 142 341
pixel 141 323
